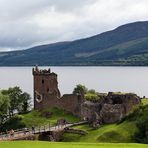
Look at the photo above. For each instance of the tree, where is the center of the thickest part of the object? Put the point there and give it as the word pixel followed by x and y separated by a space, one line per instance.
pixel 26 102
pixel 15 100
pixel 80 89
pixel 92 91
pixel 142 123
pixel 4 107
pixel 19 101
pixel 14 122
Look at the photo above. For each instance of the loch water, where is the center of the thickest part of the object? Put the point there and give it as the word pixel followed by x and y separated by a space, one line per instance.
pixel 102 79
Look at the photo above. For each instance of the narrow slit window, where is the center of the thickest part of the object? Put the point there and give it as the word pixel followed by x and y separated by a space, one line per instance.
pixel 42 81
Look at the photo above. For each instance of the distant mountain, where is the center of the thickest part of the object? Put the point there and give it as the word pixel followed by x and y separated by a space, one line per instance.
pixel 126 45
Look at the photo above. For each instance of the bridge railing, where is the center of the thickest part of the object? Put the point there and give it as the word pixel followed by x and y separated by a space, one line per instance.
pixel 35 130
pixel 28 131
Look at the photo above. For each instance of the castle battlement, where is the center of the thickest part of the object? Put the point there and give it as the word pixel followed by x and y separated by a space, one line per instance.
pixel 37 71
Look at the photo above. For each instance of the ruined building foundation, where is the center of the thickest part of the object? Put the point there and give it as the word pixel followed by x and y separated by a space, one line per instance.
pixel 109 109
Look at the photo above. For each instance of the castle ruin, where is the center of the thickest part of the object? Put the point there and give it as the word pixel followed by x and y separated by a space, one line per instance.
pixel 111 108
pixel 47 94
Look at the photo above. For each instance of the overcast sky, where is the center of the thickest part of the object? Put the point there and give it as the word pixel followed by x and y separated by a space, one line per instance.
pixel 26 23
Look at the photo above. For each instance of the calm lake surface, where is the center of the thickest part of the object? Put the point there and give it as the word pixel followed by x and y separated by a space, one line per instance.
pixel 102 79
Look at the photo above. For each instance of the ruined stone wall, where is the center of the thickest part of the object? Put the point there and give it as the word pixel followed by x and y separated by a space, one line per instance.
pixel 112 113
pixel 131 101
pixel 49 101
pixel 128 100
pixel 89 109
pixel 71 103
pixel 110 109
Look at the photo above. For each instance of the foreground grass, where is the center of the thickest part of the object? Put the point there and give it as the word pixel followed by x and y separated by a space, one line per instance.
pixel 37 144
pixel 113 133
pixel 36 118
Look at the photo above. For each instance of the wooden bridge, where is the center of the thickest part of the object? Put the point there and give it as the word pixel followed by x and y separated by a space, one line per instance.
pixel 26 132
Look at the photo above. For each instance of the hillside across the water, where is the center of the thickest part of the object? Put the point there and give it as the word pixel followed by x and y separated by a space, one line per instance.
pixel 126 45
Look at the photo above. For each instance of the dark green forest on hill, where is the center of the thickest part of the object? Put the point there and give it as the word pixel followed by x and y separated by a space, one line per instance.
pixel 126 45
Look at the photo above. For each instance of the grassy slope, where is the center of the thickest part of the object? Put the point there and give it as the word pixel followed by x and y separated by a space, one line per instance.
pixel 35 118
pixel 120 48
pixel 27 144
pixel 108 133
pixel 132 51
pixel 145 101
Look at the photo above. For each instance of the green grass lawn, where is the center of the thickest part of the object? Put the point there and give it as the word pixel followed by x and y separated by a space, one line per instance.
pixel 144 101
pixel 121 133
pixel 35 144
pixel 35 118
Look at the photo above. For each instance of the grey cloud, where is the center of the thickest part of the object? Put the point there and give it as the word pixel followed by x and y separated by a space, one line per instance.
pixel 24 8
pixel 25 23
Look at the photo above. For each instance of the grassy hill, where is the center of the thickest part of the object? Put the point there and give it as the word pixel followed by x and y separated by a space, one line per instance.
pixel 38 118
pixel 125 45
pixel 112 133
pixel 26 144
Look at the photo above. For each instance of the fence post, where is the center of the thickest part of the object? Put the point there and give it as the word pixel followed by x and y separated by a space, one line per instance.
pixel 39 129
pixel 49 126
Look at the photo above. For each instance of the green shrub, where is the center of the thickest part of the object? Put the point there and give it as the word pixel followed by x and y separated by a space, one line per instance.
pixel 140 116
pixel 142 124
pixel 92 97
pixel 80 89
pixel 14 122
pixel 92 91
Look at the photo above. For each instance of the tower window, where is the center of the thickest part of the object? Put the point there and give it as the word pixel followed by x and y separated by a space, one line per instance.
pixel 47 89
pixel 42 81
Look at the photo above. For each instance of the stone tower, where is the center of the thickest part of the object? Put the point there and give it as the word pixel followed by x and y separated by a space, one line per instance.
pixel 46 92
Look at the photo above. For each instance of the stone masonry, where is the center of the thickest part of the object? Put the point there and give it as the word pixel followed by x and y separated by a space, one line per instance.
pixel 47 94
pixel 109 109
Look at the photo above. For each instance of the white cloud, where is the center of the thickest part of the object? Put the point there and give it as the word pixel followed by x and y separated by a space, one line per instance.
pixel 25 23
